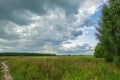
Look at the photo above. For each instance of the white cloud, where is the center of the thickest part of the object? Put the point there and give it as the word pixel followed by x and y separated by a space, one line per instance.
pixel 70 46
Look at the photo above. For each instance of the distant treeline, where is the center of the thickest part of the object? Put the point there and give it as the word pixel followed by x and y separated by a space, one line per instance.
pixel 25 54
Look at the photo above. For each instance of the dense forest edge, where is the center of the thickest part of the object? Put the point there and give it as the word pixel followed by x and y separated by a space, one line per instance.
pixel 108 33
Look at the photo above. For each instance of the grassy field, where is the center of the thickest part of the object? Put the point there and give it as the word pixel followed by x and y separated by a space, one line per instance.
pixel 61 68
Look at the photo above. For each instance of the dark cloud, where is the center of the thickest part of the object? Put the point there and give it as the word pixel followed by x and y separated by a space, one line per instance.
pixel 15 10
pixel 85 47
pixel 7 32
pixel 77 33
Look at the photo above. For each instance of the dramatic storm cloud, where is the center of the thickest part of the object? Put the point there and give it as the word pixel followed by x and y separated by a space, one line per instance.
pixel 56 26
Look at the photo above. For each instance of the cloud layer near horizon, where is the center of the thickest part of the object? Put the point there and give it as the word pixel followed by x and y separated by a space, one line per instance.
pixel 46 25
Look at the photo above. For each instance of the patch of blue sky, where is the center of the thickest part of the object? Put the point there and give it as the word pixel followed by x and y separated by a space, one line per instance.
pixel 98 13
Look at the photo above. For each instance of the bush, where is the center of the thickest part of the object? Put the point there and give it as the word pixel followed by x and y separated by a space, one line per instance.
pixel 117 61
pixel 109 58
pixel 99 51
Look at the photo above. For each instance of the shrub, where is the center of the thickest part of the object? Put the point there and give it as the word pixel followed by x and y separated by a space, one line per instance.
pixel 99 51
pixel 117 61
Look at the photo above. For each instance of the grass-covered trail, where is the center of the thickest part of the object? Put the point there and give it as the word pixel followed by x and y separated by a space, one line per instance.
pixel 5 71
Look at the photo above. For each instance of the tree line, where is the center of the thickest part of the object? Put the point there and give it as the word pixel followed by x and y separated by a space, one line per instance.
pixel 25 54
pixel 108 32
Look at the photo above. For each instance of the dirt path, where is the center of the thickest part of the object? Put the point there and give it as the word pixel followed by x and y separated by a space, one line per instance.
pixel 6 74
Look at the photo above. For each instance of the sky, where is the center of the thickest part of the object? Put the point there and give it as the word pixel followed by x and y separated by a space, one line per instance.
pixel 49 26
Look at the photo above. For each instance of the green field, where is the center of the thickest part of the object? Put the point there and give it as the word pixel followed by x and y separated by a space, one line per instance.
pixel 61 68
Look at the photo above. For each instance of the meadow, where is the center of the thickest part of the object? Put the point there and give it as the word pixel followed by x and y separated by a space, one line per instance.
pixel 61 68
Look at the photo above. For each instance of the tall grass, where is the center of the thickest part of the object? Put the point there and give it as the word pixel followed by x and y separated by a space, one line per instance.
pixel 62 68
pixel 1 74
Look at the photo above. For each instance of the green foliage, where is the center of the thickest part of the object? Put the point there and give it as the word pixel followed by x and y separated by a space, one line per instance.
pixel 109 30
pixel 99 51
pixel 117 61
pixel 62 68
